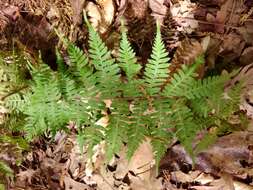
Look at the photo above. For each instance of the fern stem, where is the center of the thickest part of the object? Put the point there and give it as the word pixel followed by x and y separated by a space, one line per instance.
pixel 14 92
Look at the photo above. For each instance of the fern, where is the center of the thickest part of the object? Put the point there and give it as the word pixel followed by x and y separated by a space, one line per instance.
pixel 5 171
pixel 148 106
pixel 201 88
pixel 107 71
pixel 156 71
pixel 137 129
pixel 127 59
pixel 180 82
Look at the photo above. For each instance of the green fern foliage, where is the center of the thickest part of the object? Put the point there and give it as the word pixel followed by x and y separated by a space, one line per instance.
pixel 127 59
pixel 159 105
pixel 156 71
pixel 180 82
pixel 107 71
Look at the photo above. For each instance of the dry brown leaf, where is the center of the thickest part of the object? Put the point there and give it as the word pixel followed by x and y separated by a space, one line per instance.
pixel 241 186
pixel 94 13
pixel 138 8
pixel 108 11
pixel 142 165
pixel 159 9
pixel 182 177
pixel 152 184
pixel 122 165
pixel 77 7
pixel 11 12
pixel 142 161
pixel 103 121
pixel 247 32
pixel 225 155
pixel 71 184
pixel 204 178
pixel 26 175
pixel 183 13
pixel 101 15
pixel 246 56
pixel 224 183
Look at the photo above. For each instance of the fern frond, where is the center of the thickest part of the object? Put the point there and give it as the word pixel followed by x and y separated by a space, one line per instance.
pixel 232 101
pixel 186 128
pixel 137 129
pixel 127 59
pixel 160 141
pixel 180 82
pixel 186 135
pixel 156 71
pixel 90 136
pixel 2 186
pixel 5 169
pixel 202 88
pixel 201 107
pixel 205 142
pixel 15 102
pixel 161 131
pixel 107 71
pixel 79 63
pixel 115 133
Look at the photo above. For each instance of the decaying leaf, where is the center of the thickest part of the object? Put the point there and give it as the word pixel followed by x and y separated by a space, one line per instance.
pixel 228 155
pixel 101 14
pixel 26 176
pixel 77 6
pixel 140 170
pixel 71 184
pixel 183 13
pixel 159 9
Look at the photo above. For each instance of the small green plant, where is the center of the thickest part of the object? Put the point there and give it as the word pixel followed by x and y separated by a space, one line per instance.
pixel 12 81
pixel 141 107
pixel 5 171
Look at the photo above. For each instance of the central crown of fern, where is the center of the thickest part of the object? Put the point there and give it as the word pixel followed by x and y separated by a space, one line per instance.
pixel 141 107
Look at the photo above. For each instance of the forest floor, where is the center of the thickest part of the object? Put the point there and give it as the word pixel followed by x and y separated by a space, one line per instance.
pixel 220 29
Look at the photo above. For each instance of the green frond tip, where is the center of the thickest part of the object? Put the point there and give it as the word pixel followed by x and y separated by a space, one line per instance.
pixel 157 68
pixel 127 60
pixel 107 70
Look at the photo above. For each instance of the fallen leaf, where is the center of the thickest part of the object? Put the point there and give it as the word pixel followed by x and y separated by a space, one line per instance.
pixel 26 175
pixel 77 7
pixel 142 165
pixel 159 9
pixel 179 176
pixel 71 184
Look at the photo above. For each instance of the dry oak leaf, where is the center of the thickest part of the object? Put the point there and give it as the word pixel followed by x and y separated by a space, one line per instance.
pixel 141 170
